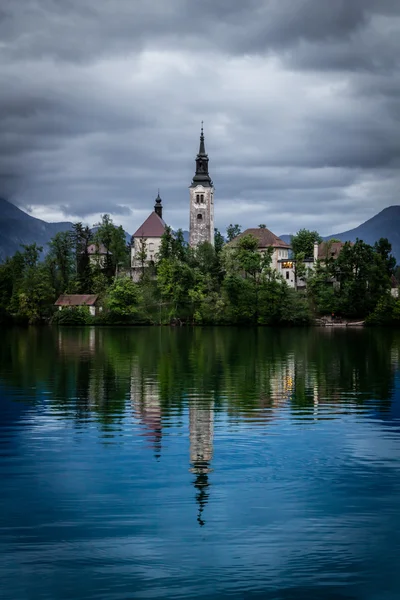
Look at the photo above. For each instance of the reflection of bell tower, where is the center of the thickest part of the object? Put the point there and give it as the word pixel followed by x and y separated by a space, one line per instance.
pixel 201 433
pixel 201 227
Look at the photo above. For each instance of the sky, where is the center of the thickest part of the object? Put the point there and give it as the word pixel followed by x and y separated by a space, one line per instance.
pixel 101 104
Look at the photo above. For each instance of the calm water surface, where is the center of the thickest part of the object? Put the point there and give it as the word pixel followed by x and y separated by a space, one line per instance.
pixel 215 463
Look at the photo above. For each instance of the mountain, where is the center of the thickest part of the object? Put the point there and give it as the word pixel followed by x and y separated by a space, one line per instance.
pixel 385 224
pixel 17 227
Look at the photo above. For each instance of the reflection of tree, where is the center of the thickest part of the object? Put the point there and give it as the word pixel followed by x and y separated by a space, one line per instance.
pixel 88 372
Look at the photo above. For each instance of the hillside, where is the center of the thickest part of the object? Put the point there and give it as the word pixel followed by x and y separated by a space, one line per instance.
pixel 385 224
pixel 17 227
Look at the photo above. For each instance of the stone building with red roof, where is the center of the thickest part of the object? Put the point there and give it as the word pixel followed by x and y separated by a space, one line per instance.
pixel 280 251
pixel 146 240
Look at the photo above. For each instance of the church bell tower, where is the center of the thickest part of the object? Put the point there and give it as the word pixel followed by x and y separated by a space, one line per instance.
pixel 201 200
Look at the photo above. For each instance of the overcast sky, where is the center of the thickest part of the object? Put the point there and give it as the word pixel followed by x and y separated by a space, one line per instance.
pixel 101 103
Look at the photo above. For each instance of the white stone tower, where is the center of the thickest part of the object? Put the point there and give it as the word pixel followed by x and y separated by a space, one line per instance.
pixel 201 200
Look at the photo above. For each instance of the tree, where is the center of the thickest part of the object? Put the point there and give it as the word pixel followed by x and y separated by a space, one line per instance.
pixel 175 278
pixel 123 299
pixel 82 237
pixel 113 239
pixel 304 241
pixel 60 260
pixel 218 241
pixel 141 255
pixel 383 249
pixel 167 247
pixel 303 247
pixel 233 231
pixel 33 295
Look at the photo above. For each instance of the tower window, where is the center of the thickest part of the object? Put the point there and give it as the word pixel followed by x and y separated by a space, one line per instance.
pixel 202 198
pixel 198 198
pixel 199 216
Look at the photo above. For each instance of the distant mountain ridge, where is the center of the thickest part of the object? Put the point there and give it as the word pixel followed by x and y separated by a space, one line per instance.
pixel 18 228
pixel 385 224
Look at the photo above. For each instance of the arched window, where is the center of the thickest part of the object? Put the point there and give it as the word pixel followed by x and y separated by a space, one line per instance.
pixel 202 198
pixel 197 197
pixel 199 216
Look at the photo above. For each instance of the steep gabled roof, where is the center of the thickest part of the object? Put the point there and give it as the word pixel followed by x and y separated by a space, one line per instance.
pixel 265 238
pixel 76 300
pixel 153 226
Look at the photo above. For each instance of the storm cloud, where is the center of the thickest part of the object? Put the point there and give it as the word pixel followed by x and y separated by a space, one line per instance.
pixel 101 104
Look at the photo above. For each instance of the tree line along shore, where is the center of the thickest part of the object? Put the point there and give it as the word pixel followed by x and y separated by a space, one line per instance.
pixel 225 284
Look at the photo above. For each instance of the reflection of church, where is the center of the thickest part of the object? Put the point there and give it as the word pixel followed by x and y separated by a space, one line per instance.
pixel 146 404
pixel 201 434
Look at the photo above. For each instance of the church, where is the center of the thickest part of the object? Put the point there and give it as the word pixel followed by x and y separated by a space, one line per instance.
pixel 146 240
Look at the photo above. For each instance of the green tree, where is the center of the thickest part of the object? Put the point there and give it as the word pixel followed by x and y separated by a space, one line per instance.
pixel 219 241
pixel 304 241
pixel 113 239
pixel 141 255
pixel 33 295
pixel 233 231
pixel 303 247
pixel 82 237
pixel 123 300
pixel 60 261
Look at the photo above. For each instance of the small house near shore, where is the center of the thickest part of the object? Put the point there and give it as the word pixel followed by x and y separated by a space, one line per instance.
pixel 66 301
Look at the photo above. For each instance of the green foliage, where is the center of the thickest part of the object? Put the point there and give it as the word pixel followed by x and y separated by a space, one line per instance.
pixel 303 242
pixel 383 314
pixel 81 240
pixel 123 299
pixel 222 284
pixel 60 261
pixel 233 231
pixel 219 241
pixel 113 239
pixel 73 315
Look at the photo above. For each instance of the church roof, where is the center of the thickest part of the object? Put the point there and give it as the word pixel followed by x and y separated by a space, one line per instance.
pixel 264 236
pixel 153 226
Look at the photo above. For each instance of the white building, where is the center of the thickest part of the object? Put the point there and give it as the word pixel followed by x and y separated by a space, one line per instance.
pixel 146 241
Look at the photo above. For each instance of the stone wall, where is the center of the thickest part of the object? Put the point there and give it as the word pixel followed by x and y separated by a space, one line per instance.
pixel 201 227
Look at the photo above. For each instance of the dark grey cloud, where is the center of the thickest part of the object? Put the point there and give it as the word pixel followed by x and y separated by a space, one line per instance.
pixel 101 102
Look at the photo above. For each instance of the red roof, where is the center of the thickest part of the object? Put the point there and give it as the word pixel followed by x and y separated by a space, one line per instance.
pixel 329 249
pixel 77 300
pixel 265 238
pixel 153 226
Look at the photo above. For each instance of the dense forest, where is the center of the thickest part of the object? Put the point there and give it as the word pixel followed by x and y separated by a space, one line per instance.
pixel 228 283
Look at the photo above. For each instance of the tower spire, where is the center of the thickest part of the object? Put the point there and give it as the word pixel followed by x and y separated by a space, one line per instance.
pixel 158 205
pixel 202 149
pixel 201 176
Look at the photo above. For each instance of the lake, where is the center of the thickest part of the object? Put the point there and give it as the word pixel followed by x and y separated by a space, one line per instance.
pixel 199 463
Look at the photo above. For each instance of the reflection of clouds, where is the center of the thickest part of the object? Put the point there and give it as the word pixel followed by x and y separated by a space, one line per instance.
pixel 374 446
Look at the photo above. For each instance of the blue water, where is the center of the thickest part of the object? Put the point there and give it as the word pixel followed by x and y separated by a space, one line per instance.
pixel 158 463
